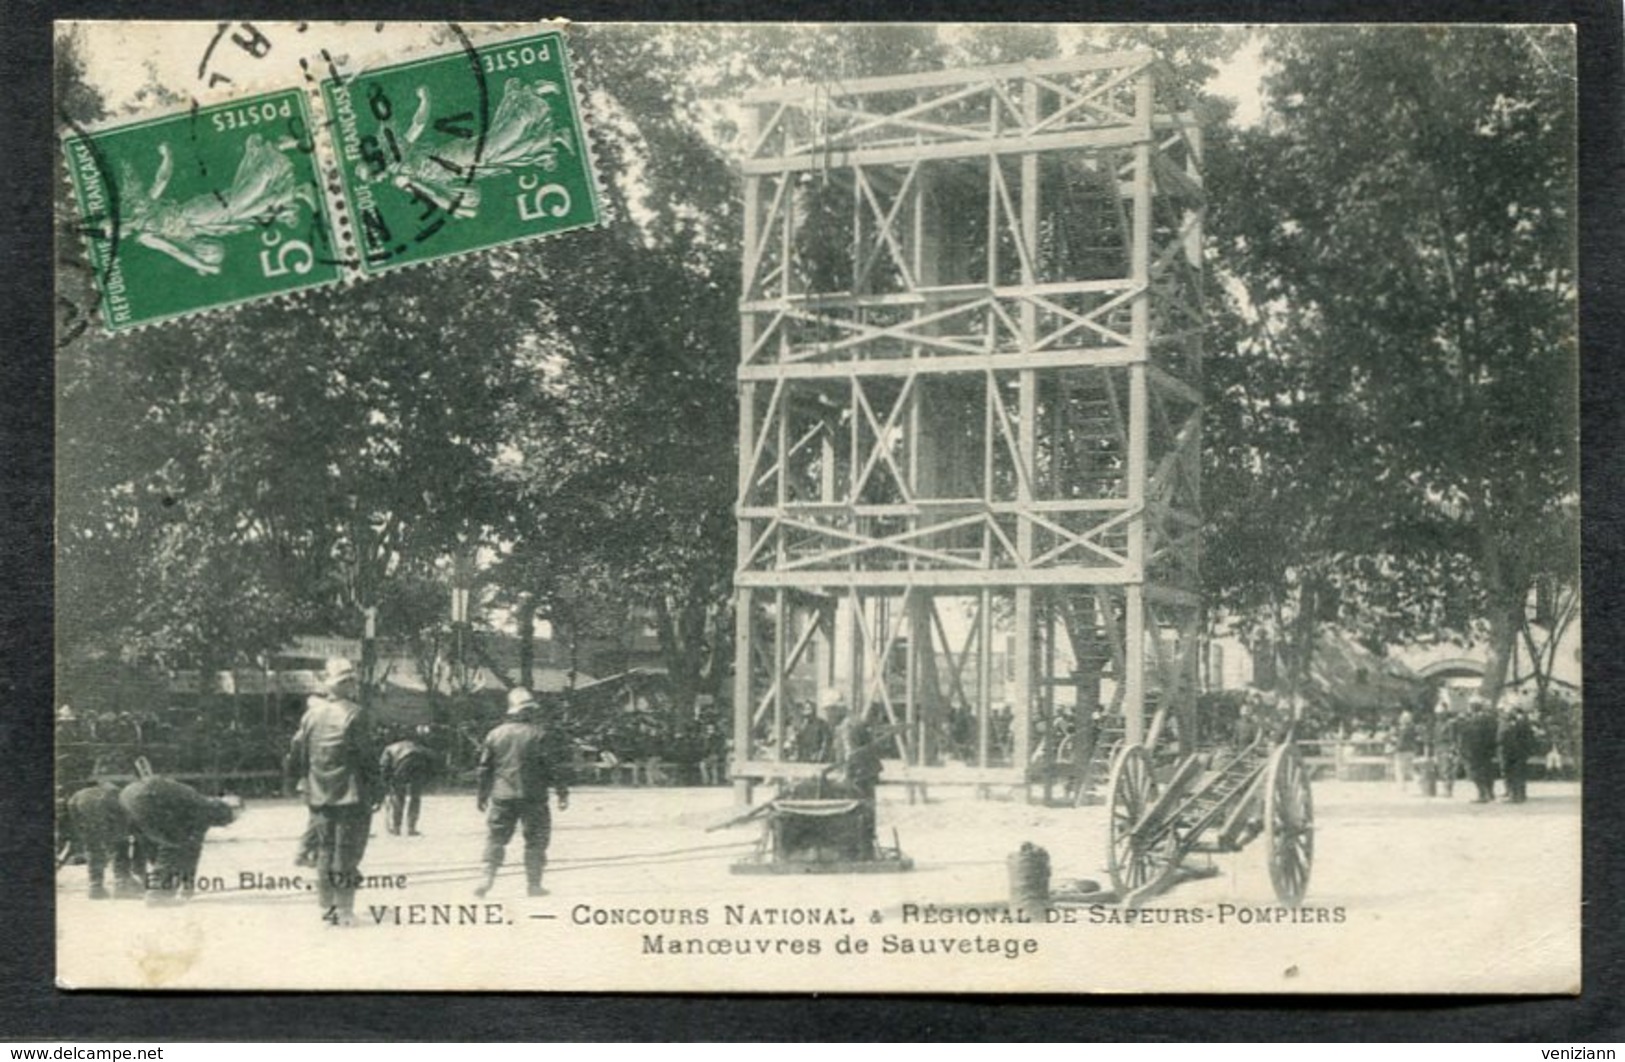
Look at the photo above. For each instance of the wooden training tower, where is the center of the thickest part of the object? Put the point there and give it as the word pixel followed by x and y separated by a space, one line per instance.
pixel 970 418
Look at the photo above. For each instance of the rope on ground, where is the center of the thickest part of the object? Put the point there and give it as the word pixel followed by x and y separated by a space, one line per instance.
pixel 450 875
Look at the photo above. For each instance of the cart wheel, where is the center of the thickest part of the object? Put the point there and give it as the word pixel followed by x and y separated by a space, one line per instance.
pixel 1132 862
pixel 1289 825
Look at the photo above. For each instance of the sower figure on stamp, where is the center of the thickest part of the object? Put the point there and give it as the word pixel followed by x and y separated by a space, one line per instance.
pixel 406 767
pixel 518 765
pixel 172 819
pixel 102 829
pixel 335 752
pixel 265 191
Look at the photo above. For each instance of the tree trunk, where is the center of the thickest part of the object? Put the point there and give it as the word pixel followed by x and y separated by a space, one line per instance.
pixel 1505 618
pixel 575 659
pixel 369 663
pixel 527 642
pixel 425 655
pixel 1505 596
pixel 1539 662
pixel 677 649
pixel 1300 646
pixel 1543 657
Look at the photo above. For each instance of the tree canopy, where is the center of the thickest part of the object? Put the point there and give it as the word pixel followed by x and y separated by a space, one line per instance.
pixel 1391 440
pixel 1398 398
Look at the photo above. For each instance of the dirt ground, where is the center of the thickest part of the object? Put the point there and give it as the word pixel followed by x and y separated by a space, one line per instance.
pixel 1407 894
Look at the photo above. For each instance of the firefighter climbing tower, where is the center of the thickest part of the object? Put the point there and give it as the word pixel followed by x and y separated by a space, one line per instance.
pixel 970 422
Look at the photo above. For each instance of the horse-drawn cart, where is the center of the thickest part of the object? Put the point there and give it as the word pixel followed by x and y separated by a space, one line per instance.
pixel 1209 807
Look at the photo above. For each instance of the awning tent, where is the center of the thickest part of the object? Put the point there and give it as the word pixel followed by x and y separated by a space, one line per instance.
pixel 1345 674
pixel 403 674
pixel 405 696
pixel 636 689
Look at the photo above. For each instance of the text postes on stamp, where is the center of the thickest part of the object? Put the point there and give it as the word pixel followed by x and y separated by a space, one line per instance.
pixel 461 151
pixel 202 209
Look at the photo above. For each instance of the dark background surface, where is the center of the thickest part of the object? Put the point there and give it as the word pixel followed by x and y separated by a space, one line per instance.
pixel 31 1008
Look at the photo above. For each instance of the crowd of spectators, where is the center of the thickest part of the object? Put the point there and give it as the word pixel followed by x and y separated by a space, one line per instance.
pixel 222 751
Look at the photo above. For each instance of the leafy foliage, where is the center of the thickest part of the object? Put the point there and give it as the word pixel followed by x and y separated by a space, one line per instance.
pixel 1398 393
pixel 1391 440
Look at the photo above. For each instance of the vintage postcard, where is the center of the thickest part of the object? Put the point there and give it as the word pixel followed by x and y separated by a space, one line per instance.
pixel 1042 508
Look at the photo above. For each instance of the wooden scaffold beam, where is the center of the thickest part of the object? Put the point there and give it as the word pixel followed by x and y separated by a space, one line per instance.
pixel 970 409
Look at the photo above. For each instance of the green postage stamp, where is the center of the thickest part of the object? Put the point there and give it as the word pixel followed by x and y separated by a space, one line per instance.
pixel 468 148
pixel 461 151
pixel 207 208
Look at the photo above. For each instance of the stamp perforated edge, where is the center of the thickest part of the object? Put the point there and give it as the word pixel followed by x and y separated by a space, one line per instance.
pixel 345 250
pixel 478 38
pixel 75 130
